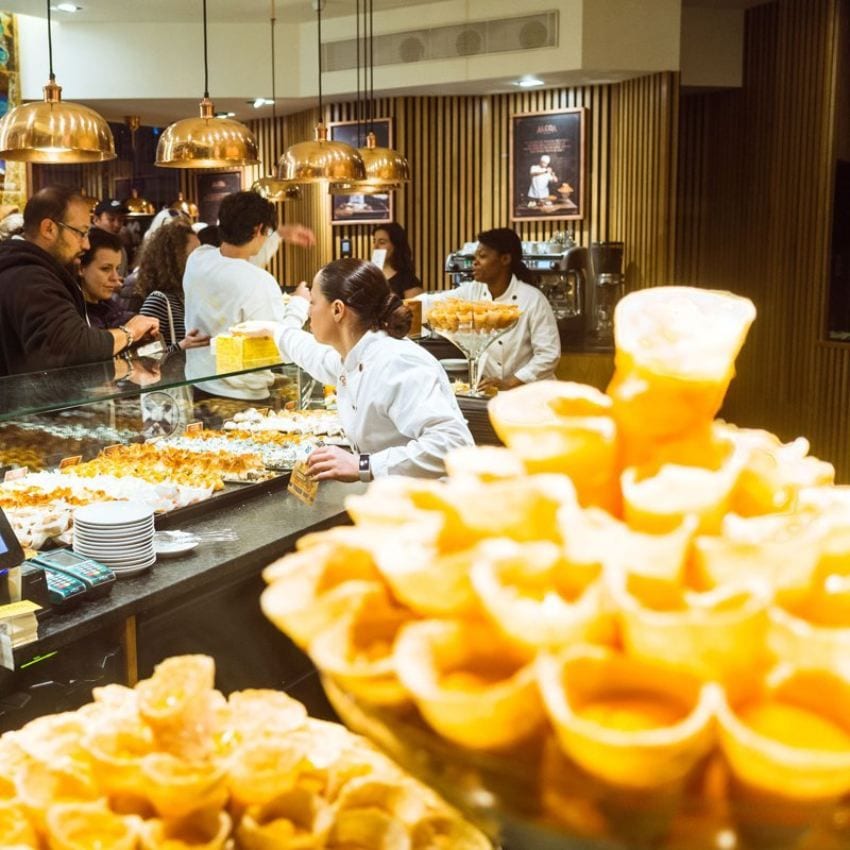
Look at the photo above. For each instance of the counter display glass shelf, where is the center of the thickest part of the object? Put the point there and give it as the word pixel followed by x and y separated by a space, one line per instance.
pixel 146 430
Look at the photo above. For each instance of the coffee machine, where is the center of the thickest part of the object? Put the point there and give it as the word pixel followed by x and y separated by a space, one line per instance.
pixel 606 289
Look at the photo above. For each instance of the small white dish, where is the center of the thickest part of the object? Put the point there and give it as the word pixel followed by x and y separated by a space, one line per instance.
pixel 171 546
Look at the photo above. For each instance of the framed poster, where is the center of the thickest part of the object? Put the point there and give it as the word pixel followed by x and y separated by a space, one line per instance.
pixel 13 175
pixel 547 165
pixel 212 187
pixel 362 209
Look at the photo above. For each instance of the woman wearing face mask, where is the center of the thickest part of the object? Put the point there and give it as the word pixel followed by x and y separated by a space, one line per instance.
pixel 530 351
pixel 398 263
pixel 396 406
pixel 100 281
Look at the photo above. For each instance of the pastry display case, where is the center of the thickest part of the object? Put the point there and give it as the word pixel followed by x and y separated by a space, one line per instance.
pixel 140 429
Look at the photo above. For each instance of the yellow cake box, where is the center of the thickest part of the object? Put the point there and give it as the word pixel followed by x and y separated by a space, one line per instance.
pixel 234 352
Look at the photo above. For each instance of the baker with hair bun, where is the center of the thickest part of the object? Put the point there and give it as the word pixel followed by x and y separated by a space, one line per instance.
pixel 394 399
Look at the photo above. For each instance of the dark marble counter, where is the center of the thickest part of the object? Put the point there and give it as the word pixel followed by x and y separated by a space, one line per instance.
pixel 268 526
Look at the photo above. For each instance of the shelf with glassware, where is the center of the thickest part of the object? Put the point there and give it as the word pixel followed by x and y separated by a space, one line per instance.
pixel 144 430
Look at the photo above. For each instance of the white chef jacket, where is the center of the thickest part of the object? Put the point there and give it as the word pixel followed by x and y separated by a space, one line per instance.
pixel 393 398
pixel 530 351
pixel 221 292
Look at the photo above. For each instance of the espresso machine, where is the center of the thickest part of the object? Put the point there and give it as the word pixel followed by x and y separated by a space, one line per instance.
pixel 459 264
pixel 606 289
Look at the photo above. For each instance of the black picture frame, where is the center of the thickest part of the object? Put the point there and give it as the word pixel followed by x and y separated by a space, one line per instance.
pixel 552 140
pixel 213 186
pixel 362 209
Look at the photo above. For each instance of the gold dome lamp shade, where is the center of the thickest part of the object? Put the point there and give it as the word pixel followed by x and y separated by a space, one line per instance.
pixel 386 171
pixel 138 206
pixel 277 191
pixel 206 141
pixel 321 159
pixel 53 130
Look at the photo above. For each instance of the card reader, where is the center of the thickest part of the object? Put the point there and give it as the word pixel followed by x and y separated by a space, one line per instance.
pixel 97 579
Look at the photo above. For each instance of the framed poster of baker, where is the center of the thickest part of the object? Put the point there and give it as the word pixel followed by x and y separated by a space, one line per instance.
pixel 547 165
pixel 360 208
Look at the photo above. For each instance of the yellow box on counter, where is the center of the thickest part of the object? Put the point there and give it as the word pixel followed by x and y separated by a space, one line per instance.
pixel 234 352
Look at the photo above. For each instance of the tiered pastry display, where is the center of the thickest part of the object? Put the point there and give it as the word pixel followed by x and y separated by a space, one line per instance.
pixel 173 765
pixel 472 326
pixel 633 623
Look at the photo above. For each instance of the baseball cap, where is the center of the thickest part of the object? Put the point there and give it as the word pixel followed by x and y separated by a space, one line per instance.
pixel 111 205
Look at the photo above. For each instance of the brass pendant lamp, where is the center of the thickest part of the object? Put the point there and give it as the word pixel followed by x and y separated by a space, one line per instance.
pixel 386 169
pixel 321 159
pixel 270 188
pixel 53 130
pixel 207 141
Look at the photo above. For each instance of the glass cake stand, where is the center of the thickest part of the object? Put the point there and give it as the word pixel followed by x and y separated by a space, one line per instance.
pixel 473 342
pixel 534 798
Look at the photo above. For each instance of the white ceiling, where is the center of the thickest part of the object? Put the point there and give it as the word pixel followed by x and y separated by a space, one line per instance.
pixel 146 11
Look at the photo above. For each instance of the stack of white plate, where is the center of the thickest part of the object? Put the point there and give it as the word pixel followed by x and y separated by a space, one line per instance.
pixel 118 534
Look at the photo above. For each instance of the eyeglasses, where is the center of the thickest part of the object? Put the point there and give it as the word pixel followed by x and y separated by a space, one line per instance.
pixel 82 234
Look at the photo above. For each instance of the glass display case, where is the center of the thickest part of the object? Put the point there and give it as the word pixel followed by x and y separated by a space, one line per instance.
pixel 140 428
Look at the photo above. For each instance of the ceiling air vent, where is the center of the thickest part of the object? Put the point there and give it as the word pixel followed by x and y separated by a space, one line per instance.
pixel 529 32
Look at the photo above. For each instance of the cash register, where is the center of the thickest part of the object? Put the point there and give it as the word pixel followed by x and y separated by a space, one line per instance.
pixel 60 575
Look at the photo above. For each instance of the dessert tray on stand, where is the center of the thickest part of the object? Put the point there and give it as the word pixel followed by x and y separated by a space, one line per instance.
pixel 472 326
pixel 532 798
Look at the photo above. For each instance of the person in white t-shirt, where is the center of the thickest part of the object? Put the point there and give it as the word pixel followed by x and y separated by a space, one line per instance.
pixel 223 288
pixel 531 350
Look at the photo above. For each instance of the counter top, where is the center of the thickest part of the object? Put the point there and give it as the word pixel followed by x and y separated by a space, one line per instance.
pixel 267 524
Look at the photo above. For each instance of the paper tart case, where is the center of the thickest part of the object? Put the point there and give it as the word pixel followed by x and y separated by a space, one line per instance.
pixel 718 636
pixel 536 597
pixel 15 827
pixel 367 829
pixel 470 684
pixel 202 831
pixel 177 788
pixel 440 831
pixel 357 650
pixel 297 819
pixel 774 766
pixel 81 826
pixel 645 758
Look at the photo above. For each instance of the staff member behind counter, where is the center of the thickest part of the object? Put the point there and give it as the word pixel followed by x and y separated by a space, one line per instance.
pixel 42 312
pixel 394 400
pixel 531 350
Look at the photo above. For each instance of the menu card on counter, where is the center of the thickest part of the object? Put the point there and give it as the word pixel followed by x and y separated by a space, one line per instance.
pixel 301 485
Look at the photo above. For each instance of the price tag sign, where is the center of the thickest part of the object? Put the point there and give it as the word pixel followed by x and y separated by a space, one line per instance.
pixel 194 427
pixel 108 451
pixel 301 485
pixel 15 474
pixel 70 461
pixel 264 411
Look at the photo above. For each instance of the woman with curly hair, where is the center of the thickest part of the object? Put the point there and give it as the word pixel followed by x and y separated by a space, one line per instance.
pixel 160 282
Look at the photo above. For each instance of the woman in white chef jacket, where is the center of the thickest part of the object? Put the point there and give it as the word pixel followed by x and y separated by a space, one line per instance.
pixel 394 399
pixel 528 352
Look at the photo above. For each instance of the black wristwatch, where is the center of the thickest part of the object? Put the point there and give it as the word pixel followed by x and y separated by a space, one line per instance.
pixel 365 468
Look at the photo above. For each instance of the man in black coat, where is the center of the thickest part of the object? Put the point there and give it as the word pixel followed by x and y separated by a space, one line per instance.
pixel 43 321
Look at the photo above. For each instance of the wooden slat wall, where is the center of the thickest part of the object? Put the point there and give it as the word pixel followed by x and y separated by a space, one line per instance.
pixel 755 198
pixel 458 151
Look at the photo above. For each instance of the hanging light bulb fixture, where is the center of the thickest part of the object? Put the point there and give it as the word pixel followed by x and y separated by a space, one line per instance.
pixel 321 159
pixel 207 141
pixel 53 130
pixel 386 168
pixel 136 205
pixel 271 188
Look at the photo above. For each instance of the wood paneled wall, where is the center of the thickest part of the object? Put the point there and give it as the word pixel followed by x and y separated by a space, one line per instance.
pixel 756 169
pixel 458 150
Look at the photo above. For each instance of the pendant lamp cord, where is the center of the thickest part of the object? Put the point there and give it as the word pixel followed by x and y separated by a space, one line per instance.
pixel 50 44
pixel 371 66
pixel 357 112
pixel 206 63
pixel 274 96
pixel 319 30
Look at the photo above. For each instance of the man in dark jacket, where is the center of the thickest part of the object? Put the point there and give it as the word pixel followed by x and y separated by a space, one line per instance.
pixel 43 321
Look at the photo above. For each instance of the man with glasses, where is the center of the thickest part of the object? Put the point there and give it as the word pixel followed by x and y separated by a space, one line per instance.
pixel 43 323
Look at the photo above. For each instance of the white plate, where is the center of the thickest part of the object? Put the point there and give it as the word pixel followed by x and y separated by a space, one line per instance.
pixel 128 540
pixel 172 549
pixel 113 513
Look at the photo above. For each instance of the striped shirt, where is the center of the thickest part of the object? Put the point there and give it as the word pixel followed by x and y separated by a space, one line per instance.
pixel 156 305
